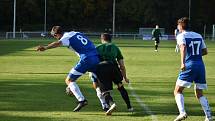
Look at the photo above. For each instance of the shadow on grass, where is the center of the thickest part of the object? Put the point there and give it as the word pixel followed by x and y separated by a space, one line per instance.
pixel 30 95
pixel 11 46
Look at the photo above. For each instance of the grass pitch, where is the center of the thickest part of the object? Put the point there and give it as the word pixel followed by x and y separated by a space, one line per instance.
pixel 32 83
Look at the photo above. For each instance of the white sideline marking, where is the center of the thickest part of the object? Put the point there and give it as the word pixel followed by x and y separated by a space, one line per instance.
pixel 144 106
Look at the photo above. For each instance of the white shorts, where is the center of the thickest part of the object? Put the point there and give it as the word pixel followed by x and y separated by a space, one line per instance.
pixel 189 84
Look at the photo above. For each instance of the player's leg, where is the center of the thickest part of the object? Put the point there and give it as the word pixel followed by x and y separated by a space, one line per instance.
pixel 110 101
pixel 204 103
pixel 77 93
pixel 73 75
pixel 200 85
pixel 118 81
pixel 185 79
pixel 125 96
pixel 179 98
pixel 101 98
pixel 156 44
pixel 105 75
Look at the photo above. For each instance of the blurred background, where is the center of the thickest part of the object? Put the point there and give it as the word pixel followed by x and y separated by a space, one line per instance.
pixel 122 17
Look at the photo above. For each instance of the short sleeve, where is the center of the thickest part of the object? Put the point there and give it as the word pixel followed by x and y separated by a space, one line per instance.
pixel 203 44
pixel 65 41
pixel 119 54
pixel 180 39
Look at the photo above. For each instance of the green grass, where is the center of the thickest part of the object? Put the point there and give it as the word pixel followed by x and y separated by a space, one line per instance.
pixel 32 83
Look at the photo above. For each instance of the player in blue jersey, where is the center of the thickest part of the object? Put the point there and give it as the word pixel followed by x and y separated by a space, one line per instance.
pixel 192 48
pixel 87 52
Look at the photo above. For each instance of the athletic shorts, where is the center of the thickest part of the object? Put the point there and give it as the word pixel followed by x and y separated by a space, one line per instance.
pixel 157 41
pixel 107 73
pixel 193 73
pixel 84 65
pixel 93 76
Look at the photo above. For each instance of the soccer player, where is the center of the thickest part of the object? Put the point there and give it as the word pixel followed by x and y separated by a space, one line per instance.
pixel 156 34
pixel 110 52
pixel 192 48
pixel 87 52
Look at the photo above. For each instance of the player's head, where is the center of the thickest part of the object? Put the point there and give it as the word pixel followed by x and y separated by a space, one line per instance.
pixel 105 37
pixel 157 26
pixel 183 24
pixel 57 32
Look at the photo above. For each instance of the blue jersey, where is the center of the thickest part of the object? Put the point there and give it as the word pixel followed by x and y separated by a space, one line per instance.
pixel 79 43
pixel 194 45
pixel 195 69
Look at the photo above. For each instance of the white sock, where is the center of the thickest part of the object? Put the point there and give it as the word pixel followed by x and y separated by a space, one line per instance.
pixel 179 98
pixel 76 91
pixel 205 106
pixel 101 98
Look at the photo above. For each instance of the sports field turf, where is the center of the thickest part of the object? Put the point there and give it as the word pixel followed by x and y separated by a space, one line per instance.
pixel 32 83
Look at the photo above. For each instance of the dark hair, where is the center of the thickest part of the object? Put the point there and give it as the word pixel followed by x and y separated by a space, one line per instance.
pixel 56 30
pixel 107 37
pixel 184 22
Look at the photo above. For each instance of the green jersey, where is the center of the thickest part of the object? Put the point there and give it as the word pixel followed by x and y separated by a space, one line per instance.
pixel 109 52
pixel 156 33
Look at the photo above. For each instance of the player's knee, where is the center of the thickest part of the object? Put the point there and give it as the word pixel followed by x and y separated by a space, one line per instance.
pixel 177 91
pixel 95 85
pixel 198 93
pixel 119 85
pixel 68 80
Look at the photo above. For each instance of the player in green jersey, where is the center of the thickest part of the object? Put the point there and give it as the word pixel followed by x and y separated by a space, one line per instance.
pixel 110 52
pixel 156 34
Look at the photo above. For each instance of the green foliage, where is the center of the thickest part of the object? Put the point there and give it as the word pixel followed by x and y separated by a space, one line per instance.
pixel 96 15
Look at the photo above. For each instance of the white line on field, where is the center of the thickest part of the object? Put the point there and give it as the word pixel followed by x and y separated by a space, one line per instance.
pixel 141 103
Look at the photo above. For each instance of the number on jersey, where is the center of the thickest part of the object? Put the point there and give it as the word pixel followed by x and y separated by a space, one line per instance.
pixel 195 47
pixel 83 40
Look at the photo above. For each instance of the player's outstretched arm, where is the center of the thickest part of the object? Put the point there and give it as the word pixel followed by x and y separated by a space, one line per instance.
pixel 49 46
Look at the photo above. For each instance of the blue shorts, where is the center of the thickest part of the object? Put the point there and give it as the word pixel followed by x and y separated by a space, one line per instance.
pixel 84 65
pixel 193 73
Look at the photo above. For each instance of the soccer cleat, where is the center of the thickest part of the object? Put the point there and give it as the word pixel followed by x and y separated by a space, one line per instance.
pixel 111 109
pixel 156 50
pixel 80 105
pixel 181 117
pixel 209 119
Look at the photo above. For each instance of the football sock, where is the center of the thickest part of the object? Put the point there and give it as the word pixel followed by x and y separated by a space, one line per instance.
pixel 179 98
pixel 124 95
pixel 156 47
pixel 101 98
pixel 76 91
pixel 205 106
pixel 108 98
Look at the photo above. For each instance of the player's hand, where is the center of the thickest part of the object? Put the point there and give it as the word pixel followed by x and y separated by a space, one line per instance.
pixel 126 80
pixel 41 48
pixel 183 67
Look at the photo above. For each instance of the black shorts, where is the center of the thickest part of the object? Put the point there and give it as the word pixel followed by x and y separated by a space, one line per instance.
pixel 107 73
pixel 157 40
